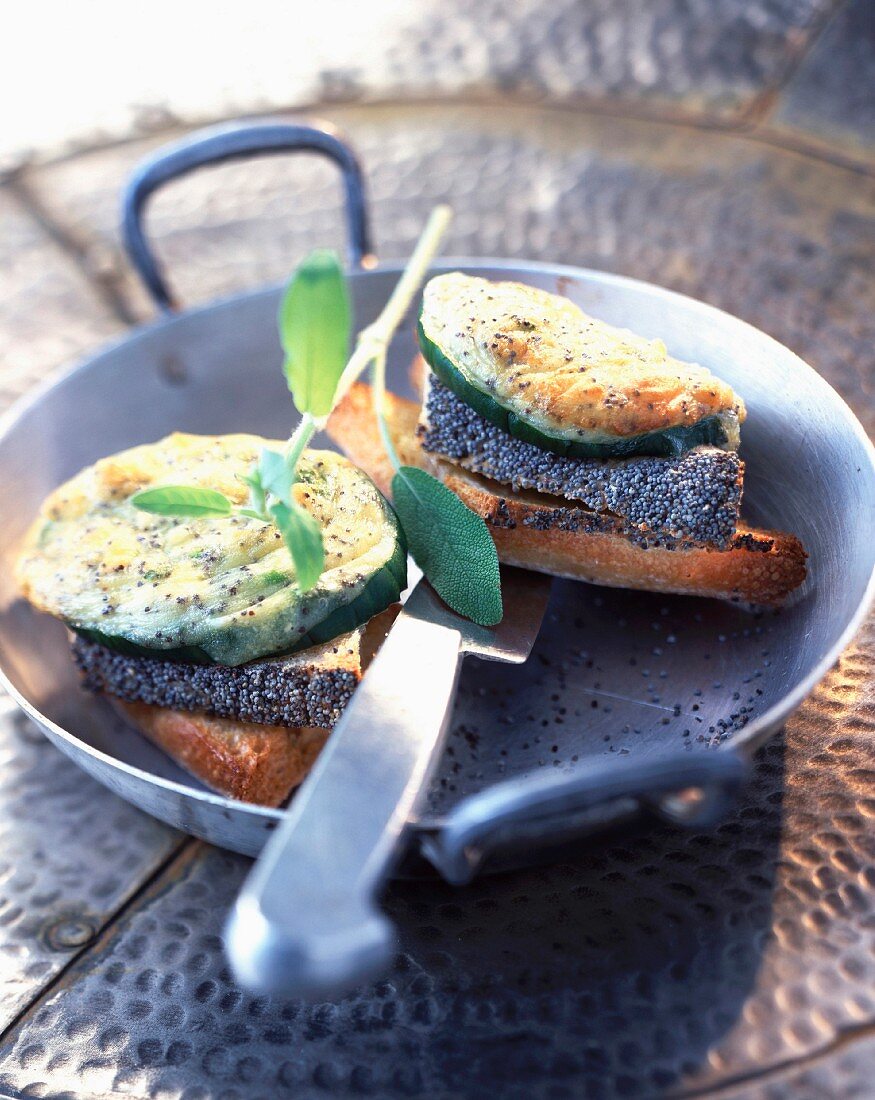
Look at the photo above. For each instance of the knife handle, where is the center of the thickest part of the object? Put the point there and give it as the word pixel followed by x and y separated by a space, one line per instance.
pixel 693 789
pixel 306 921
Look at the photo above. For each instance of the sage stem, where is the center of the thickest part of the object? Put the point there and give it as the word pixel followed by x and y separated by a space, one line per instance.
pixel 377 336
pixel 378 378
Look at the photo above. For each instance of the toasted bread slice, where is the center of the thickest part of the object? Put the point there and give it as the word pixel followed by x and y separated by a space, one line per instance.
pixel 244 760
pixel 248 760
pixel 759 567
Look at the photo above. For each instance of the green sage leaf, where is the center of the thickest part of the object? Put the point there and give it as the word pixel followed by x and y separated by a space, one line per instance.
pixel 182 500
pixel 314 323
pixel 450 544
pixel 303 538
pixel 275 475
pixel 257 502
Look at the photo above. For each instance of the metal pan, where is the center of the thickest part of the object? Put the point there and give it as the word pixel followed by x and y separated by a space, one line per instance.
pixel 631 701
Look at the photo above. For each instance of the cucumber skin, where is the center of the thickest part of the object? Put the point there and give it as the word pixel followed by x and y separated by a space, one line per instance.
pixel 383 589
pixel 667 443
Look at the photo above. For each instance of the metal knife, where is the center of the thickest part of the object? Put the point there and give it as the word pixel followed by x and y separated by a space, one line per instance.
pixel 307 921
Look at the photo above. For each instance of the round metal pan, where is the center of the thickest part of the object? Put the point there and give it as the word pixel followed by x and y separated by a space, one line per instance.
pixel 628 698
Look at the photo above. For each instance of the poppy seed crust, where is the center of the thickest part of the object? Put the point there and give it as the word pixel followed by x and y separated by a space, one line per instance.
pixel 694 498
pixel 274 691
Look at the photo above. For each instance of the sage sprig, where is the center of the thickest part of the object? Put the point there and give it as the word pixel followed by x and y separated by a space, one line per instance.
pixel 314 326
pixel 449 542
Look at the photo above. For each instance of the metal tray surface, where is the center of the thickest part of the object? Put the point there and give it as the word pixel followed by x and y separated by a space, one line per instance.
pixel 615 674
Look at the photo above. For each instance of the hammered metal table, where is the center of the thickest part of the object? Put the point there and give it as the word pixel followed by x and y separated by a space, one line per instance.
pixel 732 158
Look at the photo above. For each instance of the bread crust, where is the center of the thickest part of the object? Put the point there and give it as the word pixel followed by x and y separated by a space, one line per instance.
pixel 249 762
pixel 761 567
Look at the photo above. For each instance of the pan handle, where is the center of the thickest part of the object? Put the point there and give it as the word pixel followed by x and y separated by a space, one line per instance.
pixel 232 142
pixel 694 790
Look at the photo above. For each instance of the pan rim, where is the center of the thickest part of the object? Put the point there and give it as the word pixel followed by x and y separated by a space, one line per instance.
pixel 747 740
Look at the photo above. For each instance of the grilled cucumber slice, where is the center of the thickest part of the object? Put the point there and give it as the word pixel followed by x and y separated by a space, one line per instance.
pixel 536 366
pixel 219 590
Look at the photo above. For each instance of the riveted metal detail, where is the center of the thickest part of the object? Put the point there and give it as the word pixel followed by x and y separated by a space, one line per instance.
pixel 70 932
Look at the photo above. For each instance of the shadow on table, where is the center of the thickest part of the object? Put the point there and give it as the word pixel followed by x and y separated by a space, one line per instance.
pixel 613 973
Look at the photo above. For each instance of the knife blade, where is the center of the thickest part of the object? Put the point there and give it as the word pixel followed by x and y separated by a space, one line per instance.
pixel 307 921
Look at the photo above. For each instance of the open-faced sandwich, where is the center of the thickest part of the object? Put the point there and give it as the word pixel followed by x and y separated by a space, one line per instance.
pixel 589 451
pixel 227 592
pixel 197 629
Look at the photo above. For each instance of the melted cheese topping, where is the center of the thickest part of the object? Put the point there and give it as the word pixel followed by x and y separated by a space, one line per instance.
pixel 226 584
pixel 566 373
